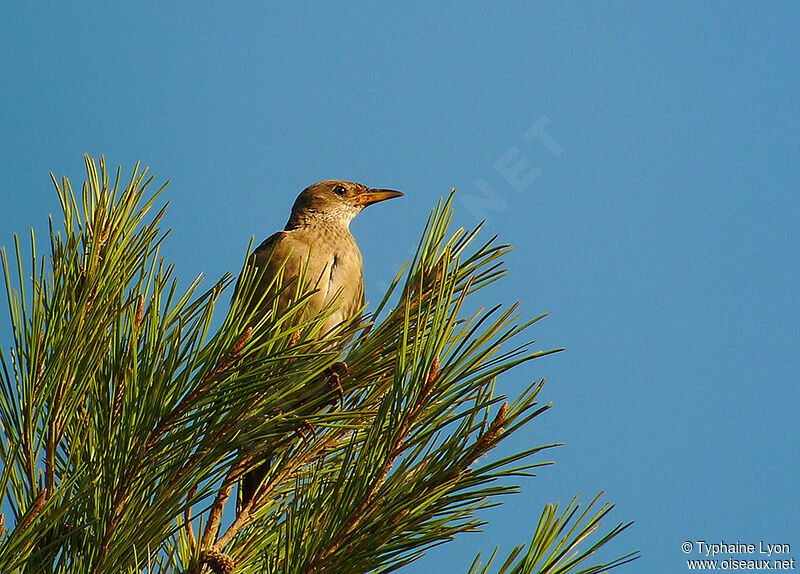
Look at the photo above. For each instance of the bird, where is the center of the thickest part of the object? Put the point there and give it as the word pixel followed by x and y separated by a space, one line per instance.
pixel 316 244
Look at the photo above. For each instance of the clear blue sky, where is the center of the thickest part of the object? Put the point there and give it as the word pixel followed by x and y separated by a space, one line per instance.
pixel 656 215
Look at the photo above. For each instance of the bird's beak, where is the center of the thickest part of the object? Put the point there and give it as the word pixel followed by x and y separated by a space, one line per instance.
pixel 375 195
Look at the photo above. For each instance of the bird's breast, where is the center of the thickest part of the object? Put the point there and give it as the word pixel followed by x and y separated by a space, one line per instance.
pixel 346 271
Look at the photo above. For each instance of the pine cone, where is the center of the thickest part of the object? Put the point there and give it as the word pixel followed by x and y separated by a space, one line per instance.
pixel 219 562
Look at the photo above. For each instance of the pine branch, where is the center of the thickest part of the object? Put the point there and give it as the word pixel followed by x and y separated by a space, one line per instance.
pixel 215 515
pixel 122 410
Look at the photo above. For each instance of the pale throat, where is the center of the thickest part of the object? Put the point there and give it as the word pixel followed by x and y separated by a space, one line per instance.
pixel 330 218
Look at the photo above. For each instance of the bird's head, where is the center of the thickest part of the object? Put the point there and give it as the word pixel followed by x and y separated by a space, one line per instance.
pixel 335 200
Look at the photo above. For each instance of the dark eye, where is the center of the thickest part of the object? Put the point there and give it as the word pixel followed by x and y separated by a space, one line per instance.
pixel 339 190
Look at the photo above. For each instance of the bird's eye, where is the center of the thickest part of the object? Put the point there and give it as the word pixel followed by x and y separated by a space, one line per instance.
pixel 339 190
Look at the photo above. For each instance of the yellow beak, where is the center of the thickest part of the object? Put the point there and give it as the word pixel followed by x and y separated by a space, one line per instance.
pixel 375 195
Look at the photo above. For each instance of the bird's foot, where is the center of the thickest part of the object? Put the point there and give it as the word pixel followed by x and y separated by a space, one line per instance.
pixel 309 427
pixel 335 372
pixel 339 367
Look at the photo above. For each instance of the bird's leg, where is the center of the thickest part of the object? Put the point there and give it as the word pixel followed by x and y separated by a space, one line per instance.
pixel 308 427
pixel 334 372
pixel 339 367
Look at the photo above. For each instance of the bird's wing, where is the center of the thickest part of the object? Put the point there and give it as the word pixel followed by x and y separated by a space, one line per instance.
pixel 290 250
pixel 279 249
pixel 267 246
pixel 296 254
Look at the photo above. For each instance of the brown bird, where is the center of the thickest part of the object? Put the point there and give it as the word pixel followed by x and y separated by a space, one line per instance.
pixel 318 236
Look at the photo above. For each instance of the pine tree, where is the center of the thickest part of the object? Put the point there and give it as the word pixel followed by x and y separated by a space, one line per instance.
pixel 127 423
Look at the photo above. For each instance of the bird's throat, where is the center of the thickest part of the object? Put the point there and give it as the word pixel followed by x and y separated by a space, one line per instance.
pixel 310 218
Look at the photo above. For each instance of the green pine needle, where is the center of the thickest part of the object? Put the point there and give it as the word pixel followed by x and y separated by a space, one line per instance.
pixel 127 422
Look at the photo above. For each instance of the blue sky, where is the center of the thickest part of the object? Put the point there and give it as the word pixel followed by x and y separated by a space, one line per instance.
pixel 641 157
